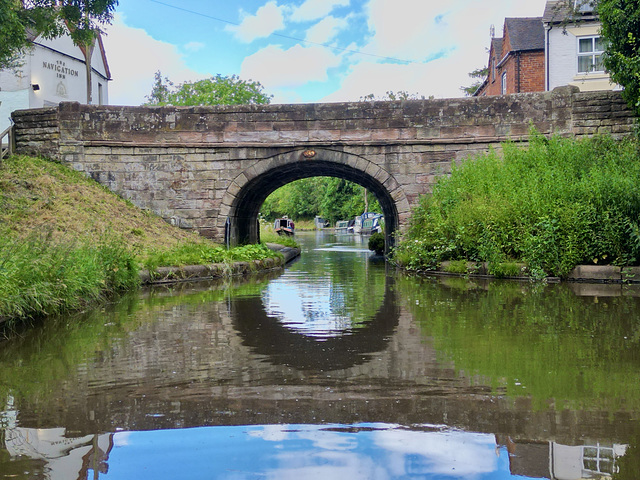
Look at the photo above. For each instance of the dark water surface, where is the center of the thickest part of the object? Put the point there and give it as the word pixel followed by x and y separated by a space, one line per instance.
pixel 336 368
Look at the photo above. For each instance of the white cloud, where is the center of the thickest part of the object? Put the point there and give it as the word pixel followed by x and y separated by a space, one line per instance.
pixel 194 46
pixel 440 78
pixel 326 29
pixel 457 31
pixel 268 19
pixel 133 73
pixel 314 9
pixel 451 454
pixel 275 68
pixel 446 43
pixel 434 26
pixel 431 27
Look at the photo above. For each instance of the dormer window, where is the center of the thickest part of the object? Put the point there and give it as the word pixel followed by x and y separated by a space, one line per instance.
pixel 584 6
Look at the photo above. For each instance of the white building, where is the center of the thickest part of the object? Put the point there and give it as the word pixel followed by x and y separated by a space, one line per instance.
pixel 53 71
pixel 573 48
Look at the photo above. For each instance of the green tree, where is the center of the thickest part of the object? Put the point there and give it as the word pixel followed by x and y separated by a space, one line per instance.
pixel 329 197
pixel 480 74
pixel 218 90
pixel 24 20
pixel 621 28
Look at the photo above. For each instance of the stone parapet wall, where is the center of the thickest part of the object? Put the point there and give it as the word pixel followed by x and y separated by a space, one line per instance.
pixel 37 132
pixel 417 122
pixel 601 113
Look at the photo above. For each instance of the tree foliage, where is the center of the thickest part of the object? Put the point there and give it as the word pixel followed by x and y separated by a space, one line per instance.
pixel 621 28
pixel 218 90
pixel 24 20
pixel 329 197
pixel 480 74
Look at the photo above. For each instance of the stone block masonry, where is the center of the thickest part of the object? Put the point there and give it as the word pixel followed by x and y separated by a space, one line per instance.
pixel 211 168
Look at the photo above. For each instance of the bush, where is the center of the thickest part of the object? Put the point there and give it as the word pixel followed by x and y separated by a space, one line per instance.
pixel 457 266
pixel 39 277
pixel 553 205
pixel 376 243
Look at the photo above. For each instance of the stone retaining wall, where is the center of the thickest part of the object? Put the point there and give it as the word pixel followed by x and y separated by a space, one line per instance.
pixel 219 270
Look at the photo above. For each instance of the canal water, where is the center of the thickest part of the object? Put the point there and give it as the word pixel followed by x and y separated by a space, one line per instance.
pixel 338 367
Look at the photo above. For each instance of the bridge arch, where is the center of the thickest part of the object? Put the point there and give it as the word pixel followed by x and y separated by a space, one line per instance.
pixel 248 191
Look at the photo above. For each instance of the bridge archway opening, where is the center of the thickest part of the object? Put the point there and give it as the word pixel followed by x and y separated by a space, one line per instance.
pixel 242 222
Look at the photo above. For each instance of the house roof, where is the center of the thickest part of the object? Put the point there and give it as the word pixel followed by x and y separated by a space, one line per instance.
pixel 496 46
pixel 525 33
pixel 104 57
pixel 559 11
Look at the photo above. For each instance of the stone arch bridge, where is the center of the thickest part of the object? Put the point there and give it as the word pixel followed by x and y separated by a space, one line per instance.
pixel 211 168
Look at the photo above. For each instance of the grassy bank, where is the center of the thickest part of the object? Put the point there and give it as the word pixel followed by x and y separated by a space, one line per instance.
pixel 553 205
pixel 66 242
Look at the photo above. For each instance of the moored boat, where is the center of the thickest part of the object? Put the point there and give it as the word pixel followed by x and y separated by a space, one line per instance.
pixel 367 223
pixel 284 226
pixel 341 226
pixel 372 224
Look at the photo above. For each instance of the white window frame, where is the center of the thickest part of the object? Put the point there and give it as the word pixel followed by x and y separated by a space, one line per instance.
pixel 591 54
pixel 503 86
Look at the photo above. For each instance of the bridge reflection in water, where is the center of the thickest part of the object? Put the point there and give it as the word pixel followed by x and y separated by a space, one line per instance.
pixel 220 381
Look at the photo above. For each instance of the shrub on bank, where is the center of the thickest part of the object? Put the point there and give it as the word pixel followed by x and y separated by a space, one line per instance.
pixel 376 243
pixel 39 277
pixel 555 204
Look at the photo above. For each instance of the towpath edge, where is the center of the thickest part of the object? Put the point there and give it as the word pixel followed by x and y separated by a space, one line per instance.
pixel 218 270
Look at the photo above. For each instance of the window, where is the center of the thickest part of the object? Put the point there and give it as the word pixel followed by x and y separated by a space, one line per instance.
pixel 584 6
pixel 100 100
pixel 504 83
pixel 590 51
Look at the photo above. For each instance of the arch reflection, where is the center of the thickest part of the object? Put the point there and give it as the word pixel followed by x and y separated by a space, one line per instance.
pixel 294 347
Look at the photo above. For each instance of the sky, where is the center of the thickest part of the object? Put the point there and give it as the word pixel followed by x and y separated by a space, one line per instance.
pixel 306 51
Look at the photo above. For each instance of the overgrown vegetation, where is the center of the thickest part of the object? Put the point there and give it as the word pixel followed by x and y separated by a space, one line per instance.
pixel 331 198
pixel 66 242
pixel 202 253
pixel 39 276
pixel 553 205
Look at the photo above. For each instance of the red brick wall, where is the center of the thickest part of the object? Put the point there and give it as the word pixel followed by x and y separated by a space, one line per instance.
pixel 532 72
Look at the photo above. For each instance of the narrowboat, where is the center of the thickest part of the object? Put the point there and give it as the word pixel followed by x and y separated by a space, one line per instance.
pixel 373 225
pixel 341 226
pixel 284 226
pixel 358 227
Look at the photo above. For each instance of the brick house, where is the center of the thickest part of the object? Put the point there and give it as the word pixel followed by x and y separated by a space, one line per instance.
pixel 563 47
pixel 517 60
